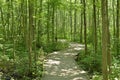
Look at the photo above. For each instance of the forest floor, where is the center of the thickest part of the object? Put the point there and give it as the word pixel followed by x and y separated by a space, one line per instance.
pixel 61 65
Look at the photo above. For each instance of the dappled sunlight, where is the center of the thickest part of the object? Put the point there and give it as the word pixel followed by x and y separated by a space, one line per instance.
pixel 54 53
pixel 62 66
pixel 53 73
pixel 62 40
pixel 69 72
pixel 70 50
pixel 67 54
pixel 79 78
pixel 50 62
pixel 83 72
pixel 77 45
pixel 57 58
pixel 78 48
pixel 70 54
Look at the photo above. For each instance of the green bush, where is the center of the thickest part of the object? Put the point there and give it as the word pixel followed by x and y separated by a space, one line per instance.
pixel 90 62
pixel 19 67
pixel 115 74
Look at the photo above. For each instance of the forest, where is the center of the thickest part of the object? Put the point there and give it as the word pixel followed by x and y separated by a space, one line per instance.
pixel 33 31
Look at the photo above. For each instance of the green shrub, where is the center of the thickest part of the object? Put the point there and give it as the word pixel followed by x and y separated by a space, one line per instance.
pixel 115 74
pixel 90 62
pixel 19 67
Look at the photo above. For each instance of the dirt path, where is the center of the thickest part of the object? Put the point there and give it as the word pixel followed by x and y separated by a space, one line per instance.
pixel 62 66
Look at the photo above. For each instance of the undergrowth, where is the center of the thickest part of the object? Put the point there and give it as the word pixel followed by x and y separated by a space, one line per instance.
pixel 17 68
pixel 92 63
pixel 14 62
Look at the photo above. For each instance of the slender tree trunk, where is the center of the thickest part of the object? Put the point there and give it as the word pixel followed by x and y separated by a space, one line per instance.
pixel 56 36
pixel 34 38
pixel 85 26
pixel 71 18
pixel 63 24
pixel 81 26
pixel 4 31
pixel 114 25
pixel 108 45
pixel 95 27
pixel 118 27
pixel 12 30
pixel 75 15
pixel 23 27
pixel 12 21
pixel 48 23
pixel 53 25
pixel 104 39
pixel 8 18
pixel 30 33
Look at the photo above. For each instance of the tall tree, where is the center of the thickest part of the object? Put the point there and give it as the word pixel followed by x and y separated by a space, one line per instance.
pixel 81 26
pixel 8 18
pixel 104 38
pixel 23 21
pixel 85 26
pixel 12 29
pixel 114 25
pixel 95 27
pixel 75 21
pixel 48 19
pixel 118 27
pixel 53 23
pixel 31 9
pixel 108 44
pixel 71 19
pixel 56 24
pixel 4 29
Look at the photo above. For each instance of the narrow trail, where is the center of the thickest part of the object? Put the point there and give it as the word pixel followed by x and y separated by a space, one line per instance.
pixel 62 66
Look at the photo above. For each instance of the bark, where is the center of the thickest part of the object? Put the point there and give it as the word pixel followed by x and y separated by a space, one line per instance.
pixel 48 19
pixel 85 26
pixel 95 27
pixel 118 27
pixel 30 33
pixel 75 21
pixel 104 39
pixel 71 18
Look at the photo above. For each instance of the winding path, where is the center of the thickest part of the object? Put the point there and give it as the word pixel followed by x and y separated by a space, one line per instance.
pixel 62 66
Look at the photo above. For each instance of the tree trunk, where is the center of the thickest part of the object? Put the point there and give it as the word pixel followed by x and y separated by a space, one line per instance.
pixel 71 19
pixel 53 25
pixel 104 39
pixel 95 27
pixel 118 27
pixel 85 26
pixel 30 32
pixel 75 16
pixel 48 23
pixel 81 26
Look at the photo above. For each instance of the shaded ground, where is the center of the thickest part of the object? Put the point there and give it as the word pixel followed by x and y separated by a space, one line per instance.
pixel 62 66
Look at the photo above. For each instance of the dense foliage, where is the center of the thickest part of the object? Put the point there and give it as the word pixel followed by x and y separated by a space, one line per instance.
pixel 30 29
